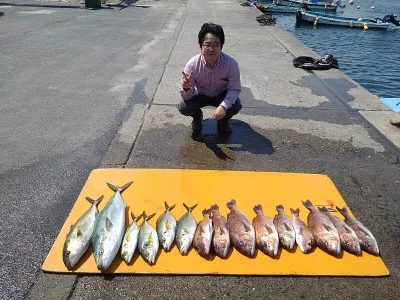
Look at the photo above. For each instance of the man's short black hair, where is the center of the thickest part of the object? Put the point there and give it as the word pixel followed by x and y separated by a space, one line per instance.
pixel 213 29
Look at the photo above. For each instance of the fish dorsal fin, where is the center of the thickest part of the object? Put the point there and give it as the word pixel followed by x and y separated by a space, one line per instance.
pixel 247 227
pixel 301 230
pixel 269 229
pixel 109 225
pixel 363 230
pixel 287 226
pixel 221 230
pixel 167 225
pixel 347 228
pixel 327 226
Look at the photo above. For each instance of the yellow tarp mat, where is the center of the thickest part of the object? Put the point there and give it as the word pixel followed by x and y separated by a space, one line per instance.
pixel 151 187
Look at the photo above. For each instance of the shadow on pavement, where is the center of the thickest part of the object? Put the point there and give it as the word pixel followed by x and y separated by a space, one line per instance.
pixel 244 138
pixel 121 5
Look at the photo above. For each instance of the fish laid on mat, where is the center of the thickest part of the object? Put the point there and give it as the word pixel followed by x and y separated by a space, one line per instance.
pixel 325 233
pixel 267 238
pixel 185 230
pixel 166 228
pixel 221 240
pixel 367 241
pixel 241 231
pixel 284 226
pixel 304 236
pixel 78 238
pixel 203 235
pixel 109 229
pixel 348 238
pixel 148 240
pixel 130 240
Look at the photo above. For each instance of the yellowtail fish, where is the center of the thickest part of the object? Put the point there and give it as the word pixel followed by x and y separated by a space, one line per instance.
pixel 148 240
pixel 130 241
pixel 109 229
pixel 185 230
pixel 78 238
pixel 166 228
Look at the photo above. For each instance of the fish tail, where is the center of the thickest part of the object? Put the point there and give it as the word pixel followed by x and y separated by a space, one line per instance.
pixel 280 208
pixel 146 217
pixel 95 202
pixel 323 209
pixel 231 204
pixel 206 212
pixel 258 208
pixel 167 207
pixel 307 204
pixel 189 209
pixel 134 218
pixel 295 212
pixel 344 212
pixel 120 189
pixel 214 207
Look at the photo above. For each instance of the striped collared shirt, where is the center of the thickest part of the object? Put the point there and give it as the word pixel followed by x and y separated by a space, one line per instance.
pixel 225 75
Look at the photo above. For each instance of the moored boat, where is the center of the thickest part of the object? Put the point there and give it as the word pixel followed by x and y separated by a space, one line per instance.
pixel 276 9
pixel 318 6
pixel 317 18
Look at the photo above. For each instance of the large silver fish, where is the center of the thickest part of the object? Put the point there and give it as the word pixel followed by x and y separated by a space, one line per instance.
pixel 241 231
pixel 325 233
pixel 367 241
pixel 148 240
pixel 166 228
pixel 203 235
pixel 109 229
pixel 130 241
pixel 284 226
pixel 267 238
pixel 348 238
pixel 185 230
pixel 221 239
pixel 304 236
pixel 78 238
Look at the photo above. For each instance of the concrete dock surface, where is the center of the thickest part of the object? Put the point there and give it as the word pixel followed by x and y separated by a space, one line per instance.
pixel 292 121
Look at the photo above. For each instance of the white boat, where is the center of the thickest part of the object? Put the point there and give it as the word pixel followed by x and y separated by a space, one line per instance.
pixel 317 18
pixel 312 5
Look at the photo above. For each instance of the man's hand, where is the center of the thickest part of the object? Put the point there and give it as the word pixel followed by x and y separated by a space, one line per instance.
pixel 219 113
pixel 186 80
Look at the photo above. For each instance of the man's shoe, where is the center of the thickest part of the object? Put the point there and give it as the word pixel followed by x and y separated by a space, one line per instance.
pixel 223 126
pixel 197 123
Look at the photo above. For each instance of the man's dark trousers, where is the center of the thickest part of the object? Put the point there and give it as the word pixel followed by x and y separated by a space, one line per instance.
pixel 193 106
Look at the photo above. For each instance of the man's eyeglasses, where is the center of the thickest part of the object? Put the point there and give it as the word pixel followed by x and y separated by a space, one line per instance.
pixel 213 46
